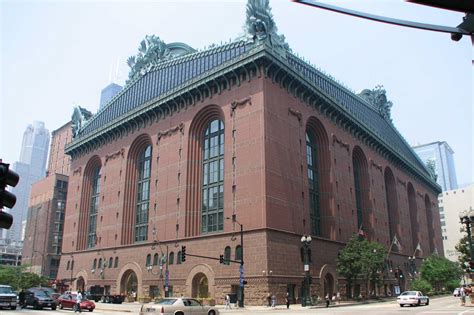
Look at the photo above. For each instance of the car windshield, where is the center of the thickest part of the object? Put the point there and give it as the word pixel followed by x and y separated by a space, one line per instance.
pixel 166 301
pixel 41 294
pixel 409 293
pixel 4 290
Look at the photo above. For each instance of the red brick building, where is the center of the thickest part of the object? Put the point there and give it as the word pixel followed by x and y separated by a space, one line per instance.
pixel 245 129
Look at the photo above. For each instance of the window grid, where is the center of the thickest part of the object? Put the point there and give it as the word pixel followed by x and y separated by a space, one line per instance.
pixel 313 182
pixel 93 209
pixel 213 178
pixel 143 195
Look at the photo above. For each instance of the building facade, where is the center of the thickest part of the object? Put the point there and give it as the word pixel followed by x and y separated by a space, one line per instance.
pixel 44 229
pixel 451 204
pixel 30 168
pixel 246 129
pixel 441 154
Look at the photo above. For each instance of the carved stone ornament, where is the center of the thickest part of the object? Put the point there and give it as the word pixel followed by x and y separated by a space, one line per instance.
pixel 378 99
pixel 77 171
pixel 259 24
pixel 297 114
pixel 114 155
pixel 170 131
pixel 237 103
pixel 379 167
pixel 401 182
pixel 79 118
pixel 340 142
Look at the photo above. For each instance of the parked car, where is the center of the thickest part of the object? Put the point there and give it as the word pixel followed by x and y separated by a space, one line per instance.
pixel 414 298
pixel 68 300
pixel 456 292
pixel 8 298
pixel 39 299
pixel 183 305
pixel 50 291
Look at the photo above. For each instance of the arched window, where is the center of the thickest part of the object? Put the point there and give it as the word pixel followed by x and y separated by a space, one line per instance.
pixel 392 205
pixel 227 252
pixel 313 182
pixel 72 265
pixel 143 195
pixel 413 209
pixel 111 262
pixel 171 259
pixel 94 264
pixel 148 260
pixel 179 258
pixel 361 190
pixel 93 208
pixel 429 219
pixel 116 262
pixel 67 266
pixel 212 216
pixel 238 252
pixel 155 260
pixel 99 265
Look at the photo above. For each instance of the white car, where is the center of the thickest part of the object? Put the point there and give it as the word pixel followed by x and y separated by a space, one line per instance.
pixel 412 298
pixel 175 306
pixel 456 292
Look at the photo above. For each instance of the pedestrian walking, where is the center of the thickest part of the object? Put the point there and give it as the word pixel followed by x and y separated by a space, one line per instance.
pixel 227 302
pixel 274 300
pixel 269 299
pixel 21 297
pixel 462 295
pixel 287 300
pixel 338 297
pixel 78 302
pixel 328 301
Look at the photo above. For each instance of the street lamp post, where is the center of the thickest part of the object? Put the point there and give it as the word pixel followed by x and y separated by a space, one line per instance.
pixel 72 271
pixel 241 269
pixel 306 253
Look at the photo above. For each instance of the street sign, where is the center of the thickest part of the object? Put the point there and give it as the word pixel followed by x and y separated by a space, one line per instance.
pixel 306 267
pixel 241 280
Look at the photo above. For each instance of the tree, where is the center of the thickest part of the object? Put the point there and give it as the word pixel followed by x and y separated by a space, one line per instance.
pixel 361 259
pixel 462 247
pixel 440 272
pixel 18 278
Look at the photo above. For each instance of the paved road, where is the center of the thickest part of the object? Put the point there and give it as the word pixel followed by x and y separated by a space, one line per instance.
pixel 438 306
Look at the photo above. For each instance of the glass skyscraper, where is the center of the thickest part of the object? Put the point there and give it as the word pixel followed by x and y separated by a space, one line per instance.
pixel 442 156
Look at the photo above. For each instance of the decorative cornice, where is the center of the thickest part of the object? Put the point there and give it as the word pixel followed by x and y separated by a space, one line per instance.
pixel 340 142
pixel 108 157
pixel 379 167
pixel 170 131
pixel 238 103
pixel 77 171
pixel 297 114
pixel 404 184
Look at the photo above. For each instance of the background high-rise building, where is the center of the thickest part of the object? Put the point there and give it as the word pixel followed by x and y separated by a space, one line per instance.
pixel 442 156
pixel 108 93
pixel 30 168
pixel 451 203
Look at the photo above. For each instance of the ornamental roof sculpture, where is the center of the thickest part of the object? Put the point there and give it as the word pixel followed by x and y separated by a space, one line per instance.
pixel 169 78
pixel 378 98
pixel 79 117
pixel 152 51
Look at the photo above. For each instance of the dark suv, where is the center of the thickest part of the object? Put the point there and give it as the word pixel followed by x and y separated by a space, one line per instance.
pixel 39 299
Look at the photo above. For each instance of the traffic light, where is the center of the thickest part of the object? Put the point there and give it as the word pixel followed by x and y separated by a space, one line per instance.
pixel 7 199
pixel 396 273
pixel 400 274
pixel 221 259
pixel 183 253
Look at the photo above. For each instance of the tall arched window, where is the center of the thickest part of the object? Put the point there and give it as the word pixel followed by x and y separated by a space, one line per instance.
pixel 238 252
pixel 429 219
pixel 111 262
pixel 155 260
pixel 313 182
pixel 148 260
pixel 179 258
pixel 93 208
pixel 212 211
pixel 171 258
pixel 227 253
pixel 413 209
pixel 392 205
pixel 94 264
pixel 361 189
pixel 143 195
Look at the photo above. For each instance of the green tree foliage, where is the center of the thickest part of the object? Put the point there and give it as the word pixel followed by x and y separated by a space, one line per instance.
pixel 421 285
pixel 361 259
pixel 18 278
pixel 462 247
pixel 440 272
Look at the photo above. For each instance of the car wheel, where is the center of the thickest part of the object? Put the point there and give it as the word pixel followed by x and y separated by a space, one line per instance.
pixel 13 308
pixel 419 303
pixel 60 306
pixel 427 302
pixel 179 313
pixel 401 305
pixel 91 310
pixel 36 306
pixel 211 312
pixel 53 308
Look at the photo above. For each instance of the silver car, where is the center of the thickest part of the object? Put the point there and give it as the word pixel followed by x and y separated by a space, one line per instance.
pixel 414 298
pixel 177 306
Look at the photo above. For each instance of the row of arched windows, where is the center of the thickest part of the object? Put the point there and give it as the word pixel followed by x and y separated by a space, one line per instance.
pixel 102 263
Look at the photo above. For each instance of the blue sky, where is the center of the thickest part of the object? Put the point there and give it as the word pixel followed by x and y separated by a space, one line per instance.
pixel 58 54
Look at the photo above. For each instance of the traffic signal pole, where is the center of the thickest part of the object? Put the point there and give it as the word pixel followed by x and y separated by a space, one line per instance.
pixel 7 199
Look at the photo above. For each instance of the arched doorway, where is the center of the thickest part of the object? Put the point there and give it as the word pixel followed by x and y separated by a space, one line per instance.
pixel 80 284
pixel 328 284
pixel 200 286
pixel 129 282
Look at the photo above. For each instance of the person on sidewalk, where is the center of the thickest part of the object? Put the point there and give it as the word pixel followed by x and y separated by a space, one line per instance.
pixel 462 295
pixel 287 300
pixel 274 300
pixel 227 302
pixel 328 301
pixel 338 297
pixel 269 300
pixel 78 302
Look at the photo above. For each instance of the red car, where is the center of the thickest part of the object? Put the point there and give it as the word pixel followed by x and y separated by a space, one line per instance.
pixel 68 300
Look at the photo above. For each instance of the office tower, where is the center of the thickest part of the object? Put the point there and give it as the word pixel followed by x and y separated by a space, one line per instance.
pixel 441 154
pixel 30 168
pixel 108 93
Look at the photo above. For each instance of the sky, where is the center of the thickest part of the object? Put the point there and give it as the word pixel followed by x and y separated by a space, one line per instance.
pixel 59 54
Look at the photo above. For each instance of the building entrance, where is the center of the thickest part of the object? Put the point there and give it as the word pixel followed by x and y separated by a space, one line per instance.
pixel 129 283
pixel 200 286
pixel 328 285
